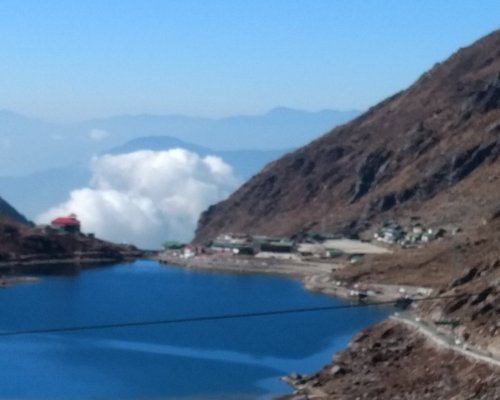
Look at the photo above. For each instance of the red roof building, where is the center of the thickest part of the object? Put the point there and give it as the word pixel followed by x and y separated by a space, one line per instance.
pixel 69 224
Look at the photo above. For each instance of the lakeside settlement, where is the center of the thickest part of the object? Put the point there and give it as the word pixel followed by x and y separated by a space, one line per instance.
pixel 321 261
pixel 310 257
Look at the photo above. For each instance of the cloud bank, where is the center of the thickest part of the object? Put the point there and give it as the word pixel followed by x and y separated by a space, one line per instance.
pixel 147 197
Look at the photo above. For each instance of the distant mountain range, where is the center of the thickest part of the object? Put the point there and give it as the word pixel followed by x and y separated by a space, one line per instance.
pixel 279 128
pixel 40 162
pixel 35 193
pixel 29 145
pixel 245 163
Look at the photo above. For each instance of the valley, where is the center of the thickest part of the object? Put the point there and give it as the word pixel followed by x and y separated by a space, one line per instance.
pixel 393 213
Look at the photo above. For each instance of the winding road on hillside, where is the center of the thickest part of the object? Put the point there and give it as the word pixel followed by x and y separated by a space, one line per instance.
pixel 444 340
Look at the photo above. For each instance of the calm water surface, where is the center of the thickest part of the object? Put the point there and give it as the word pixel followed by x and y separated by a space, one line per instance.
pixel 229 359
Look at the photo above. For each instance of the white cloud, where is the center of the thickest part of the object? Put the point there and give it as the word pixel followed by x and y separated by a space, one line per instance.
pixel 147 197
pixel 98 134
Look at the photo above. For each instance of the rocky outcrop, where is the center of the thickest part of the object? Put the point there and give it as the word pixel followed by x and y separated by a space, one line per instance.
pixel 469 275
pixel 486 98
pixel 370 173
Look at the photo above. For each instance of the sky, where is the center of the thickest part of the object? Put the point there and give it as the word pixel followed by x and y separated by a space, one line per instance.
pixel 68 60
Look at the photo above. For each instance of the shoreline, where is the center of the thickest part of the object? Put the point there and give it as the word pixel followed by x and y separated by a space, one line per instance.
pixel 17 271
pixel 317 277
pixel 58 261
pixel 9 281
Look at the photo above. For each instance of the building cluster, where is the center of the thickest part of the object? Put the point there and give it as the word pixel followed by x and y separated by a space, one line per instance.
pixel 393 233
pixel 308 246
pixel 235 244
pixel 251 245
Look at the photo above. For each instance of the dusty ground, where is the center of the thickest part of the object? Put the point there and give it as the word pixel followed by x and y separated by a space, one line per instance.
pixel 432 265
pixel 346 246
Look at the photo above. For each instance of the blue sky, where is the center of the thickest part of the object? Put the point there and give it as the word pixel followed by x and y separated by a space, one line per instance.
pixel 69 60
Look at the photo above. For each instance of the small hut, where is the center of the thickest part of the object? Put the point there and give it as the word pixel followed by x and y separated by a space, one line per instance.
pixel 69 224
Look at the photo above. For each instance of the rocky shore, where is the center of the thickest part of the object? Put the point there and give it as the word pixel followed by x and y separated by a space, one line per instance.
pixel 392 361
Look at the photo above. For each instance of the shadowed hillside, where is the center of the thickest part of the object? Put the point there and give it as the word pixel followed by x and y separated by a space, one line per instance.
pixel 9 212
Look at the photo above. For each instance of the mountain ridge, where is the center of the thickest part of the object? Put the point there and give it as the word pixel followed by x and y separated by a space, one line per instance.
pixel 9 213
pixel 21 137
pixel 417 145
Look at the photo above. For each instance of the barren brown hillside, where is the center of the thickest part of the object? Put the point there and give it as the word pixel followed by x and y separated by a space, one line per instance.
pixel 430 151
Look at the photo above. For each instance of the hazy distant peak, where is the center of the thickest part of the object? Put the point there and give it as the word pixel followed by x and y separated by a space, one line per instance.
pixel 8 115
pixel 287 111
pixel 284 110
pixel 157 143
pixel 24 137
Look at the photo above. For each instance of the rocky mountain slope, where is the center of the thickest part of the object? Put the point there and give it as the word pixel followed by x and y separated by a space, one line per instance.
pixel 430 151
pixel 7 211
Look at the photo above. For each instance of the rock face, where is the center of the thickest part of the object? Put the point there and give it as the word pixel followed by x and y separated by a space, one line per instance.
pixel 430 151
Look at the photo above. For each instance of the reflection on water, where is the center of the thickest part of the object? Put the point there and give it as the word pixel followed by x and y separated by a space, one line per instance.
pixel 239 358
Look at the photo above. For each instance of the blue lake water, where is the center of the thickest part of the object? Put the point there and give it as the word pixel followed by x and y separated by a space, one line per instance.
pixel 223 359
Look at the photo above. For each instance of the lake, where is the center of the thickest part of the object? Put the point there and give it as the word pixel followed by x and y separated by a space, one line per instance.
pixel 222 359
